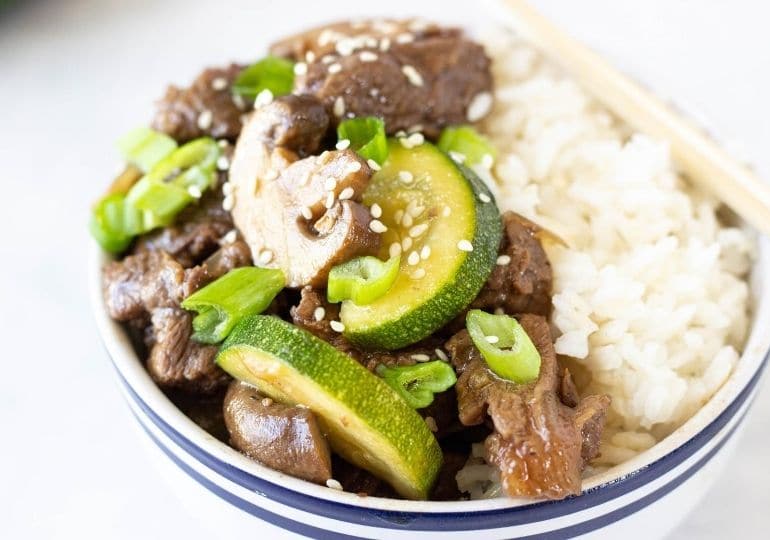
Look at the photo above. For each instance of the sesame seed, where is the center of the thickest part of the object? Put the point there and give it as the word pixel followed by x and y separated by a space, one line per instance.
pixel 368 56
pixel 431 422
pixel 300 68
pixel 499 311
pixel 479 106
pixel 328 59
pixel 483 197
pixel 418 25
pixel 238 101
pixel 335 67
pixel 412 75
pixel 373 165
pixel 223 143
pixel 319 313
pixel 406 243
pixel 346 194
pixel 370 41
pixel 230 237
pixel 228 203
pixel 447 211
pixel 326 37
pixel 414 209
pixel 457 157
pixel 342 144
pixel 306 212
pixel 400 133
pixel 404 38
pixel 265 256
pixel 374 92
pixel 228 188
pixel 271 175
pixel 413 259
pixel 487 161
pixel 345 47
pixel 331 483
pixel 266 402
pixel 329 200
pixel 503 260
pixel 407 220
pixel 220 83
pixel 406 177
pixel 309 57
pixel 415 139
pixel 441 355
pixel 330 183
pixel 418 230
pixel 492 339
pixel 265 97
pixel 465 245
pixel 223 163
pixel 395 249
pixel 205 118
pixel 418 274
pixel 353 167
pixel 339 107
pixel 337 326
pixel 420 357
pixel 194 191
pixel 384 44
pixel 376 210
pixel 425 253
pixel 398 215
pixel 377 226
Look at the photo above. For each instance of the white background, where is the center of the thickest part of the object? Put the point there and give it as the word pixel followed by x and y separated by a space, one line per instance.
pixel 74 74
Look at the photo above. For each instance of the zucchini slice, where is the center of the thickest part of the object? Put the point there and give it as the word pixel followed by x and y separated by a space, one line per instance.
pixel 443 220
pixel 366 421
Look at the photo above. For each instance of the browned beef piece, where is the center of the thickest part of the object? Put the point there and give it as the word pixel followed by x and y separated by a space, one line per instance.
pixel 283 437
pixel 151 284
pixel 540 444
pixel 297 123
pixel 205 410
pixel 445 488
pixel 524 285
pixel 204 108
pixel 412 75
pixel 357 480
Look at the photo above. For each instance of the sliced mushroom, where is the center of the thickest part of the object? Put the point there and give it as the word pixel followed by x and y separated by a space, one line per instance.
pixel 300 215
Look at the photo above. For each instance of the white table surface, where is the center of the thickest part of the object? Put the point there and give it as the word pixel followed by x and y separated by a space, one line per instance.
pixel 74 74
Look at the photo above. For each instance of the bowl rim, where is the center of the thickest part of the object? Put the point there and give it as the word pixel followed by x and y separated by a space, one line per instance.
pixel 733 391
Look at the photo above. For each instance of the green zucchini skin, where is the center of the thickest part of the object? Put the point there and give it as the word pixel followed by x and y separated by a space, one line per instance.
pixel 367 422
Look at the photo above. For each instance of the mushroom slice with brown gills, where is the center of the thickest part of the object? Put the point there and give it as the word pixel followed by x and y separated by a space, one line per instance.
pixel 300 214
pixel 283 437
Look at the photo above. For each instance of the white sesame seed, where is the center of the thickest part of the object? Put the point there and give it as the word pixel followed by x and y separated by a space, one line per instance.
pixel 220 83
pixel 337 326
pixel 228 188
pixel 416 139
pixel 418 25
pixel 503 260
pixel 223 143
pixel 425 253
pixel 465 245
pixel 385 44
pixel 238 101
pixel 330 183
pixel 441 355
pixel 406 243
pixel 420 357
pixel 265 256
pixel 306 212
pixel 431 422
pixel 265 97
pixel 300 68
pixel 370 42
pixel 335 67
pixel 345 47
pixel 374 92
pixel 412 75
pixel 368 56
pixel 271 175
pixel 373 165
pixel 266 402
pixel 483 197
pixel 376 210
pixel 331 483
pixel 377 226
pixel 499 311
pixel 418 274
pixel 309 57
pixel 326 36
pixel 329 202
pixel 406 177
pixel 223 163
pixel 414 209
pixel 492 339
pixel 328 59
pixel 457 157
pixel 479 106
pixel 447 211
pixel 400 133
pixel 413 259
pixel 418 230
pixel 407 220
pixel 228 203
pixel 319 313
pixel 342 144
pixel 398 215
pixel 487 161
pixel 230 237
pixel 194 191
pixel 353 167
pixel 404 38
pixel 205 118
pixel 339 107
pixel 395 249
pixel 346 194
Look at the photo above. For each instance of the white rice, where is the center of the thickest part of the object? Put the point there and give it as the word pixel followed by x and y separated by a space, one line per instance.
pixel 650 298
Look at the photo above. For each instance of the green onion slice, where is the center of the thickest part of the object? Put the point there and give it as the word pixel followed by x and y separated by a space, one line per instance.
pixel 466 141
pixel 362 280
pixel 505 346
pixel 144 147
pixel 114 223
pixel 238 294
pixel 270 73
pixel 416 384
pixel 366 136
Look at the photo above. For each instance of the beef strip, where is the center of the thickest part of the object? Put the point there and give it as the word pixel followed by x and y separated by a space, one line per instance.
pixel 357 480
pixel 151 285
pixel 539 443
pixel 410 74
pixel 283 437
pixel 183 113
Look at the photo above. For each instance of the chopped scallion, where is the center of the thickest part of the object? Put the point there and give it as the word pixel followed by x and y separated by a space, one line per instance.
pixel 238 294
pixel 362 280
pixel 144 147
pixel 270 73
pixel 418 383
pixel 366 136
pixel 114 223
pixel 466 141
pixel 512 356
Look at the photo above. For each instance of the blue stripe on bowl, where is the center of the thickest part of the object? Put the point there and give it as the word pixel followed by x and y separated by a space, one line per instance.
pixel 571 531
pixel 455 521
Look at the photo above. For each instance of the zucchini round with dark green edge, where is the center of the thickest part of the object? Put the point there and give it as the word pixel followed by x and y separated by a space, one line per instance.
pixel 444 222
pixel 366 421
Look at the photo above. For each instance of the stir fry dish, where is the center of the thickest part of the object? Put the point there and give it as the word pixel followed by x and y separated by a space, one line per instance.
pixel 312 270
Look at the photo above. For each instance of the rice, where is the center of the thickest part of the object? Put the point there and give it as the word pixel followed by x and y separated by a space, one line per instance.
pixel 650 298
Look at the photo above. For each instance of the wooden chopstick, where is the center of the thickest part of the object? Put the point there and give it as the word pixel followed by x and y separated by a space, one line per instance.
pixel 697 155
